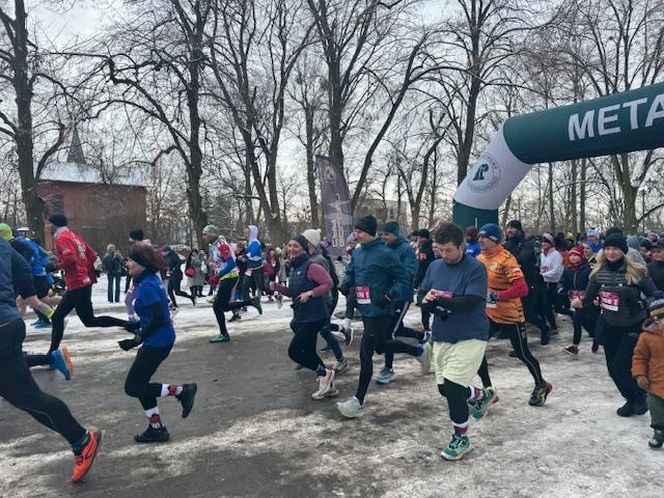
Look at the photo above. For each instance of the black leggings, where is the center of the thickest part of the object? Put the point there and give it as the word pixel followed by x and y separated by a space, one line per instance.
pixel 302 349
pixel 532 308
pixel 584 318
pixel 81 301
pixel 377 337
pixel 19 387
pixel 222 302
pixel 457 400
pixel 619 344
pixel 398 330
pixel 145 365
pixel 519 339
pixel 256 279
pixel 551 289
pixel 174 289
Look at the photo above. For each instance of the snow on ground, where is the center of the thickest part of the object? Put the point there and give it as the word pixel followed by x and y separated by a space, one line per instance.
pixel 255 431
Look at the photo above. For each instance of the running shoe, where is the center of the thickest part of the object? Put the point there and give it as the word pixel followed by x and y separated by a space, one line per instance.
pixel 657 440
pixel 480 408
pixel 280 301
pixel 86 457
pixel 458 447
pixel 256 303
pixel 219 338
pixel 351 408
pixel 41 324
pixel 540 393
pixel 210 300
pixel 385 376
pixel 186 398
pixel 235 318
pixel 62 362
pixel 573 350
pixel 340 365
pixel 425 358
pixel 152 435
pixel 512 354
pixel 640 407
pixel 349 335
pixel 333 392
pixel 325 383
pixel 626 410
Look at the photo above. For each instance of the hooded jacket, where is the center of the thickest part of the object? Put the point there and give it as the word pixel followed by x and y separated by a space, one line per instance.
pixel 376 272
pixel 407 257
pixel 648 358
pixel 524 251
pixel 254 251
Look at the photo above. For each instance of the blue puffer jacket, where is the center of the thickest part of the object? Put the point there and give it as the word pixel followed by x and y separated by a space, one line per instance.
pixel 376 266
pixel 408 259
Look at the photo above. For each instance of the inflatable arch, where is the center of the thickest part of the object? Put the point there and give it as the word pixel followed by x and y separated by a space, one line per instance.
pixel 615 124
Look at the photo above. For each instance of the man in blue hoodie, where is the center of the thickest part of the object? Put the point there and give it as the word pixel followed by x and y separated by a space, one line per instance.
pixel 379 281
pixel 392 237
pixel 254 260
pixel 17 385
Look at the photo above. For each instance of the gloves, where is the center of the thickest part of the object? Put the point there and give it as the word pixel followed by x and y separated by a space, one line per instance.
pixel 132 326
pixel 343 288
pixel 127 344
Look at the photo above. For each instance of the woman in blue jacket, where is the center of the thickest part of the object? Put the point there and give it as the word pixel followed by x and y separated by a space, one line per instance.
pixel 156 335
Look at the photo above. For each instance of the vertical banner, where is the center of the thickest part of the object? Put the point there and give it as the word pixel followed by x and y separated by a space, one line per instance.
pixel 337 210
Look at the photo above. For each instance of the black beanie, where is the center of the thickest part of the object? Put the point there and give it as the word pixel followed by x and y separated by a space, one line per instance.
pixel 424 233
pixel 302 240
pixel 516 224
pixel 137 234
pixel 367 224
pixel 57 219
pixel 616 239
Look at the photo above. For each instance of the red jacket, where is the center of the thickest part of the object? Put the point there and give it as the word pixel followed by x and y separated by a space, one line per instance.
pixel 76 258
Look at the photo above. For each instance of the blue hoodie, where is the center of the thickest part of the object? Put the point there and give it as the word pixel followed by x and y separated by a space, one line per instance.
pixel 254 250
pixel 408 259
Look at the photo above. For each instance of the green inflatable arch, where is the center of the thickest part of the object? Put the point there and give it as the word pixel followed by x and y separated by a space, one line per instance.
pixel 615 124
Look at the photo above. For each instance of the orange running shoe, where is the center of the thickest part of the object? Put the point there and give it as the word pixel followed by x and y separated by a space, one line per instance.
pixel 67 357
pixel 86 458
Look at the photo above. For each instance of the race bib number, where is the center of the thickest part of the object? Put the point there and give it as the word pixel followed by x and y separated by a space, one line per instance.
pixel 363 294
pixel 576 294
pixel 609 300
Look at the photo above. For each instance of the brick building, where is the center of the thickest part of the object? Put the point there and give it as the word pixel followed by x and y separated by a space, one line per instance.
pixel 99 210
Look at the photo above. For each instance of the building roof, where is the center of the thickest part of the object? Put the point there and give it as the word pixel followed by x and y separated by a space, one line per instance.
pixel 82 173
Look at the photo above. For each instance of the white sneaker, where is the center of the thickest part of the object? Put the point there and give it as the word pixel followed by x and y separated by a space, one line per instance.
pixel 340 366
pixel 351 408
pixel 332 393
pixel 325 383
pixel 425 358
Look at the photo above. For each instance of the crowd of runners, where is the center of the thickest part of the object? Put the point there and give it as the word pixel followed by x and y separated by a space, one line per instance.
pixel 470 286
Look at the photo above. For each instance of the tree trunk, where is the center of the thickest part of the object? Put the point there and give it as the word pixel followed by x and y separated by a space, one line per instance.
pixel 311 166
pixel 34 205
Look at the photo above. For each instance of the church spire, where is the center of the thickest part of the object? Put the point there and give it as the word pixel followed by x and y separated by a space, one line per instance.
pixel 76 149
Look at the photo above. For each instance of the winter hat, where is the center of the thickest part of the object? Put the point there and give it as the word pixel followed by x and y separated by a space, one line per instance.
pixel 313 236
pixel 423 232
pixel 6 231
pixel 472 232
pixel 302 240
pixel 656 306
pixel 515 224
pixel 137 234
pixel 147 257
pixel 646 244
pixel 392 227
pixel 57 219
pixel 616 239
pixel 659 244
pixel 593 233
pixel 547 237
pixel 578 251
pixel 367 224
pixel 211 230
pixel 492 232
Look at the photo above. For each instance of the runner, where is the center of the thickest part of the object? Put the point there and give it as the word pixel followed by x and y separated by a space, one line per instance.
pixel 222 261
pixel 392 237
pixel 425 257
pixel 254 260
pixel 156 335
pixel 77 259
pixel 656 265
pixel 456 288
pixel 618 282
pixel 308 284
pixel 472 244
pixel 551 269
pixel 379 280
pixel 17 385
pixel 504 309
pixel 174 277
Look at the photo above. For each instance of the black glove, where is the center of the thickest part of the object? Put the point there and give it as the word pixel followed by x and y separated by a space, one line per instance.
pixel 343 288
pixel 132 326
pixel 383 301
pixel 127 344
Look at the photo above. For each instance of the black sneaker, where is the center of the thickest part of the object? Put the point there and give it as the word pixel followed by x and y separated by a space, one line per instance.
pixel 186 397
pixel 152 435
pixel 235 318
pixel 513 354
pixel 540 393
pixel 546 337
pixel 640 407
pixel 626 410
pixel 657 440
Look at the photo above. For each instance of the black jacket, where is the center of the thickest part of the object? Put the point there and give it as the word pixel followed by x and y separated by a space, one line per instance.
pixel 524 251
pixel 656 272
pixel 425 256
